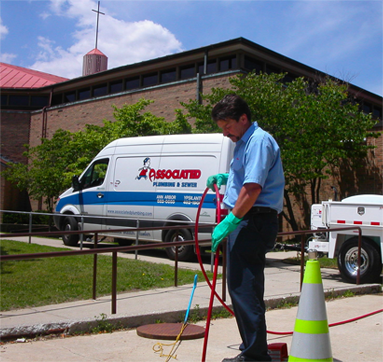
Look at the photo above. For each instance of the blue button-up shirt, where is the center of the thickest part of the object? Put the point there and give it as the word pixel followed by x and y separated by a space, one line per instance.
pixel 256 159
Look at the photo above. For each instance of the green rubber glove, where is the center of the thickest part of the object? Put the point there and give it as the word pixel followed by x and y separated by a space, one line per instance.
pixel 224 228
pixel 219 179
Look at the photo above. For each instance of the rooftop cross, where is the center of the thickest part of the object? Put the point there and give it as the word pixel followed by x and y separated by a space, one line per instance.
pixel 98 15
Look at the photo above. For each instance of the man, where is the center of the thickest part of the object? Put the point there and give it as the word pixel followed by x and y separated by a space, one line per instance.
pixel 254 194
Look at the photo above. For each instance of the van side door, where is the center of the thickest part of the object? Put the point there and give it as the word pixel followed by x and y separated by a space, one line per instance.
pixel 93 195
pixel 132 196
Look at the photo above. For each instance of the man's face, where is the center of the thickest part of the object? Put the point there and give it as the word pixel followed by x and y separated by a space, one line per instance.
pixel 233 129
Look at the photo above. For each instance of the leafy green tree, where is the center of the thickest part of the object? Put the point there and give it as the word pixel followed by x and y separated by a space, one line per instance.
pixel 317 127
pixel 52 164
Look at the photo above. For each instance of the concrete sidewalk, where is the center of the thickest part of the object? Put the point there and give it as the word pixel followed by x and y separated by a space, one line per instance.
pixel 359 341
pixel 169 305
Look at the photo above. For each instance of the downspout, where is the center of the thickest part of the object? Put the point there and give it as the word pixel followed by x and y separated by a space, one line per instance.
pixel 198 95
pixel 45 116
pixel 199 79
pixel 44 128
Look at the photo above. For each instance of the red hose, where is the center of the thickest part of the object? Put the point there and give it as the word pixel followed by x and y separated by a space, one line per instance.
pixel 336 323
pixel 216 262
pixel 198 252
pixel 356 318
pixel 212 286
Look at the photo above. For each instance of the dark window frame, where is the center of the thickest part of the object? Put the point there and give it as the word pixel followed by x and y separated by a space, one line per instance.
pixel 96 89
pixel 150 79
pixel 115 83
pixel 84 93
pixel 130 83
pixel 168 75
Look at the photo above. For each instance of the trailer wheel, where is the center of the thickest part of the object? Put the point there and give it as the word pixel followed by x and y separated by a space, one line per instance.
pixel 185 252
pixel 70 223
pixel 371 265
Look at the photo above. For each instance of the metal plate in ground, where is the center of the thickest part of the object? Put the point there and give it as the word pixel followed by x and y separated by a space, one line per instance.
pixel 170 331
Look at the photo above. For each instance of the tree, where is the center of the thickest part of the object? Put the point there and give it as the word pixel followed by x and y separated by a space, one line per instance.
pixel 316 126
pixel 52 164
pixel 43 177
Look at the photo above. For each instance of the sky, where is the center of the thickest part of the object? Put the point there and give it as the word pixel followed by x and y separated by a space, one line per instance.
pixel 341 38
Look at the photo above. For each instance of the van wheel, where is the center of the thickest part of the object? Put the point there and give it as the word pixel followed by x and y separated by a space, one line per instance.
pixel 185 252
pixel 371 266
pixel 70 224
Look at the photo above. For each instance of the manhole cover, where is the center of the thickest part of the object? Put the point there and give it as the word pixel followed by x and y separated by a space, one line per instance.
pixel 170 331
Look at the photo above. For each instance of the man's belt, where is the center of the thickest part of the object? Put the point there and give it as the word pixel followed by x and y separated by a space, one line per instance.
pixel 262 210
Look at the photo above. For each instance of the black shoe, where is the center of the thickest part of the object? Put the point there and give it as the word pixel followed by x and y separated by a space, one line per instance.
pixel 239 358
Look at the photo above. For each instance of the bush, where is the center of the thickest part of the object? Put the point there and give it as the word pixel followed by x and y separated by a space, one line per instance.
pixel 12 218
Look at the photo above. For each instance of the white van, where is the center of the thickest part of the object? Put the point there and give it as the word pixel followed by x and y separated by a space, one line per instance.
pixel 152 179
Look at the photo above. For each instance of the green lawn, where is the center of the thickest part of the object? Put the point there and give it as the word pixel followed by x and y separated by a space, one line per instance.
pixel 324 262
pixel 36 282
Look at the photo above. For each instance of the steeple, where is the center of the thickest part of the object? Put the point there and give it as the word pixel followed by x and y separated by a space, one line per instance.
pixel 95 61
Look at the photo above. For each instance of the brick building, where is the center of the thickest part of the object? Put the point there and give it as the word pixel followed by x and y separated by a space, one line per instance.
pixel 20 96
pixel 31 113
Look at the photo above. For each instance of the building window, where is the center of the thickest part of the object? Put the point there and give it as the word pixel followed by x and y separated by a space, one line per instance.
pixel 367 108
pixel 132 83
pixel 187 71
pixel 377 112
pixel 39 101
pixel 211 67
pixel 271 69
pixel 18 100
pixel 288 78
pixel 149 79
pixel 228 63
pixel 4 100
pixel 201 68
pixel 84 94
pixel 70 97
pixel 116 87
pixel 100 90
pixel 168 76
pixel 253 64
pixel 57 99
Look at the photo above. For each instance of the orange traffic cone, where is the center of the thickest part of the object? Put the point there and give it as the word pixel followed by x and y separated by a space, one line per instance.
pixel 311 340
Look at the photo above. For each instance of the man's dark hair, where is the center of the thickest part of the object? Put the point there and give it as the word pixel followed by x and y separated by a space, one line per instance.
pixel 230 106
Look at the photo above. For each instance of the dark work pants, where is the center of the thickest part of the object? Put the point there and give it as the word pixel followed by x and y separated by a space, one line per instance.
pixel 247 246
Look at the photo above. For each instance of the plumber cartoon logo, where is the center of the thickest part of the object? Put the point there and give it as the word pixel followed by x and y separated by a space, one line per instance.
pixel 142 171
pixel 148 173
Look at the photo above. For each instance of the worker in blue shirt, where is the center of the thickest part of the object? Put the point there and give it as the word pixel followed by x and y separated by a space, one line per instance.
pixel 254 194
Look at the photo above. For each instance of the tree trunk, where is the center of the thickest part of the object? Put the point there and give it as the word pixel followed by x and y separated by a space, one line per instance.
pixel 290 218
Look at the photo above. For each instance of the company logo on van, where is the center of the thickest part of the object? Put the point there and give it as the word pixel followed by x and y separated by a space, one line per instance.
pixel 174 174
pixel 161 174
pixel 143 171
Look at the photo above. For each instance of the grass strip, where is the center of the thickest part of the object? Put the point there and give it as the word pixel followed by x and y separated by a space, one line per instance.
pixel 324 262
pixel 37 282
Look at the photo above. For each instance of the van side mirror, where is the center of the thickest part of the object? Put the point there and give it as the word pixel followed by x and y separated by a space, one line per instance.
pixel 76 183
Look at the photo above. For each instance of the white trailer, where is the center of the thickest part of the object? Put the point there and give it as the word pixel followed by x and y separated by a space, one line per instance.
pixel 364 211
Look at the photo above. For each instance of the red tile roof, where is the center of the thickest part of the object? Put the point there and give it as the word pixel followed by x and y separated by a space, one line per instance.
pixel 12 76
